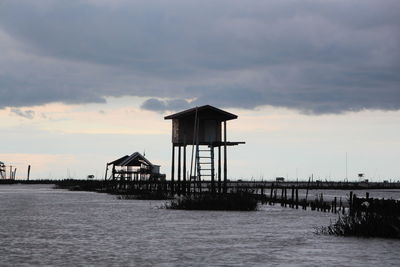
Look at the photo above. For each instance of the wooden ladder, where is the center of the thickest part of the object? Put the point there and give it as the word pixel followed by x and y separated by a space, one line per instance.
pixel 205 163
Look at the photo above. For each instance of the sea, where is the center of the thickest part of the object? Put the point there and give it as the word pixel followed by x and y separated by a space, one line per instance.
pixel 43 226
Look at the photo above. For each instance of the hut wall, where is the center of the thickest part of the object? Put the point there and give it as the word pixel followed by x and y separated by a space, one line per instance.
pixel 182 131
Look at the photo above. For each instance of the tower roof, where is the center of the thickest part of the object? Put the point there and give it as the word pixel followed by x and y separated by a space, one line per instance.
pixel 205 111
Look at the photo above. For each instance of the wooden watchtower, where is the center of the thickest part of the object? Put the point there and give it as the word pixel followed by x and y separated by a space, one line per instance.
pixel 203 129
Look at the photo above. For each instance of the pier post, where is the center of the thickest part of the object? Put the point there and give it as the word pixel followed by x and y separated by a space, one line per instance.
pixel 292 200
pixel 219 170
pixel 212 171
pixel 297 198
pixel 29 172
pixel 351 204
pixel 179 171
pixel 184 170
pixel 225 161
pixel 173 170
pixel 262 195
pixel 271 193
pixel 285 196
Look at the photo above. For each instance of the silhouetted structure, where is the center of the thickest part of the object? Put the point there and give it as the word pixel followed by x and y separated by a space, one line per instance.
pixel 203 128
pixel 2 170
pixel 133 168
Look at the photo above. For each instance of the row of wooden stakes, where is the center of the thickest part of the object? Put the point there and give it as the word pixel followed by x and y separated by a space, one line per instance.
pixel 293 200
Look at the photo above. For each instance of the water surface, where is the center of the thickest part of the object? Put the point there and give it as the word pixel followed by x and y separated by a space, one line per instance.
pixel 44 226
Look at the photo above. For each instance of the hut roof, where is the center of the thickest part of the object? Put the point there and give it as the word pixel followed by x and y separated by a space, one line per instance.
pixel 118 161
pixel 205 111
pixel 136 159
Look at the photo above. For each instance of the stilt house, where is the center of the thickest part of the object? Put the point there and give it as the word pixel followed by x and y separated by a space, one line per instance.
pixel 134 168
pixel 203 128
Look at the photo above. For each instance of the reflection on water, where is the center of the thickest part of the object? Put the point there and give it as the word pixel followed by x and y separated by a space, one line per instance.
pixel 43 226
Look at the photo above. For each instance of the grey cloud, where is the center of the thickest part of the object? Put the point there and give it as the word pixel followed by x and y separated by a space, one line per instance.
pixel 313 56
pixel 164 105
pixel 27 114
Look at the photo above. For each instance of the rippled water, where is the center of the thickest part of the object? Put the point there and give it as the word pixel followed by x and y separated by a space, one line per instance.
pixel 43 226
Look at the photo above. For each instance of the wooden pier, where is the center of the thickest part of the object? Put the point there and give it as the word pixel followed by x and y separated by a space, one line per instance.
pixel 291 194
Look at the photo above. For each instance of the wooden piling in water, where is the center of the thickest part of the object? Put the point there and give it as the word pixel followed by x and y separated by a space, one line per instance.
pixel 285 197
pixel 297 198
pixel 292 200
pixel 29 172
pixel 351 203
pixel 179 171
pixel 271 194
pixel 173 169
pixel 184 187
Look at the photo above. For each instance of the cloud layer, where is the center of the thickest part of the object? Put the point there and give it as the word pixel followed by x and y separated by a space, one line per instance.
pixel 314 56
pixel 27 114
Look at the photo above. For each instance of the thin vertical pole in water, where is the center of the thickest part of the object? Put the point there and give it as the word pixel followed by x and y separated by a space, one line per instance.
pixel 29 172
pixel 308 185
pixel 282 204
pixel 292 201
pixel 179 170
pixel 225 161
pixel 219 169
pixel 297 198
pixel 184 169
pixel 271 193
pixel 351 203
pixel 173 170
pixel 285 196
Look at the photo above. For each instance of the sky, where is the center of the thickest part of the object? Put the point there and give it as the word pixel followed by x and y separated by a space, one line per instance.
pixel 83 82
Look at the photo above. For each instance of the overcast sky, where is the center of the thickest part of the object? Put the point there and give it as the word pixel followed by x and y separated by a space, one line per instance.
pixel 77 78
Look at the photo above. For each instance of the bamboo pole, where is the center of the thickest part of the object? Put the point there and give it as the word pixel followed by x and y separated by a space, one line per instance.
pixel 179 171
pixel 225 162
pixel 173 169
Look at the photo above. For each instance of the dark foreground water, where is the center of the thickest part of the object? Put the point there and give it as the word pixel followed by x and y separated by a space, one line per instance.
pixel 43 226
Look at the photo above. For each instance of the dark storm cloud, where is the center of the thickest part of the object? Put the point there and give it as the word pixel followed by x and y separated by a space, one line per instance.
pixel 314 56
